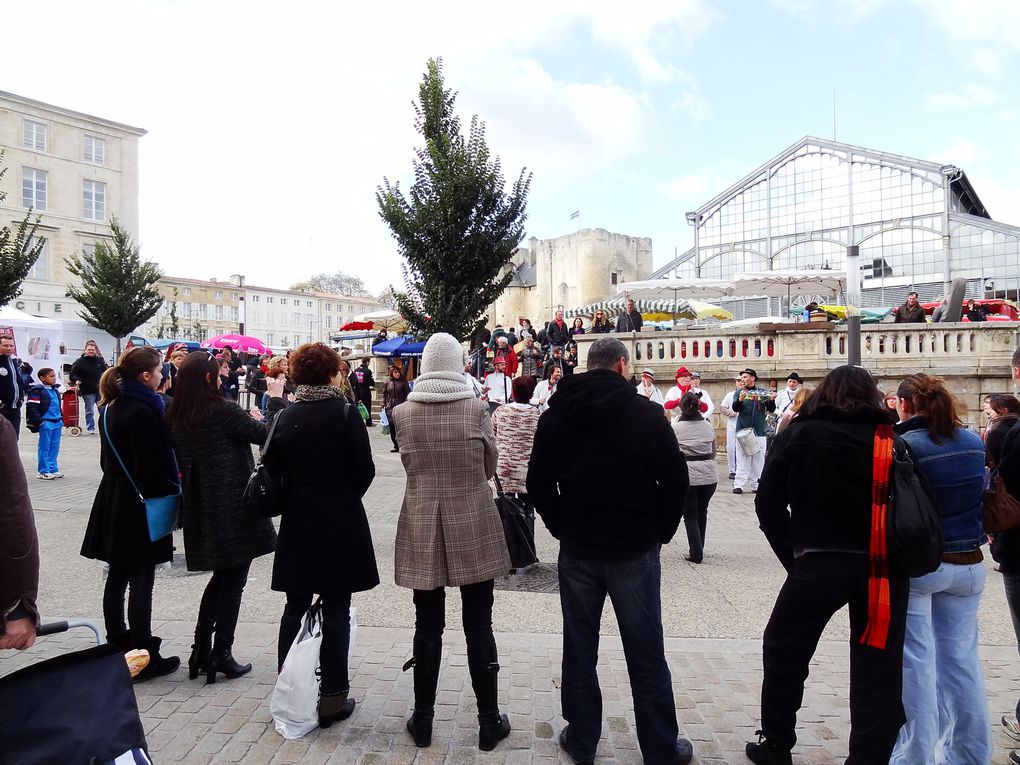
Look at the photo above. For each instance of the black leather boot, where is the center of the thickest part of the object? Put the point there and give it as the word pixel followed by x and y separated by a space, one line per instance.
pixel 122 640
pixel 158 665
pixel 493 726
pixel 428 655
pixel 198 662
pixel 333 707
pixel 221 660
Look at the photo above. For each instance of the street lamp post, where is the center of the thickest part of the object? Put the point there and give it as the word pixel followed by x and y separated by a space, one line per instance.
pixel 853 305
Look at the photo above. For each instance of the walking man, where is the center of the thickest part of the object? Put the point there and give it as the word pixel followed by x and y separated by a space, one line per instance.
pixel 751 404
pixel 610 533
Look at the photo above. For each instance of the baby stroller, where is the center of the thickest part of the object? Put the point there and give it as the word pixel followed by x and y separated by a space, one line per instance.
pixel 75 709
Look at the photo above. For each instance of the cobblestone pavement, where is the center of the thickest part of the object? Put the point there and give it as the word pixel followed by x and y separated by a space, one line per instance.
pixel 713 617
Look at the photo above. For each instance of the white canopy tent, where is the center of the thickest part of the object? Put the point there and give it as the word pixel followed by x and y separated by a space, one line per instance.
pixel 36 340
pixel 677 289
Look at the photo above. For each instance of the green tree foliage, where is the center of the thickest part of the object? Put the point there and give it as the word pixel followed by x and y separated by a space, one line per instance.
pixel 19 251
pixel 118 292
pixel 338 284
pixel 458 227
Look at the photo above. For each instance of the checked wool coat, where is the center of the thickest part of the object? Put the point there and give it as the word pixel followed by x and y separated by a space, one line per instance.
pixel 449 533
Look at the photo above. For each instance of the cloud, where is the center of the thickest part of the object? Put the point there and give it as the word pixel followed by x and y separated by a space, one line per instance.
pixel 972 96
pixel 684 188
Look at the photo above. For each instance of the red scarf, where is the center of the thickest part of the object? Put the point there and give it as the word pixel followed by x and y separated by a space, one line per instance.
pixel 876 633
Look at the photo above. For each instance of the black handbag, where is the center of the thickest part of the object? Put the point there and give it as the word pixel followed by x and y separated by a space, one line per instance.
pixel 518 528
pixel 914 530
pixel 264 494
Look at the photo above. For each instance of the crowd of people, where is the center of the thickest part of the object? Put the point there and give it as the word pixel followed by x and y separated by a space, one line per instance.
pixel 819 462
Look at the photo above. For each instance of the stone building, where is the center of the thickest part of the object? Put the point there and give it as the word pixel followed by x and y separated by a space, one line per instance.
pixel 204 309
pixel 74 170
pixel 570 270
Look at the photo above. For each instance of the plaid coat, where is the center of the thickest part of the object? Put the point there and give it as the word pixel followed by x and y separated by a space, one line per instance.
pixel 449 533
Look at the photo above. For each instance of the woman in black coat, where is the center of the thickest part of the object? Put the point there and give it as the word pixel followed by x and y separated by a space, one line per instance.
pixel 320 449
pixel 395 393
pixel 132 423
pixel 213 438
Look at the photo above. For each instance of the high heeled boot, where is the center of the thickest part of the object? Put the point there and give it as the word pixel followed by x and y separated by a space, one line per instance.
pixel 222 661
pixel 428 655
pixel 493 726
pixel 198 662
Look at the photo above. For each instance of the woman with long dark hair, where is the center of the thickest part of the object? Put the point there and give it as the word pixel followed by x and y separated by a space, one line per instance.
pixel 395 393
pixel 1005 412
pixel 321 451
pixel 213 436
pixel 696 438
pixel 817 507
pixel 131 422
pixel 943 683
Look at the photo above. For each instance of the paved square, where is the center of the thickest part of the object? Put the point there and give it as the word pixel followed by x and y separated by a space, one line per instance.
pixel 713 615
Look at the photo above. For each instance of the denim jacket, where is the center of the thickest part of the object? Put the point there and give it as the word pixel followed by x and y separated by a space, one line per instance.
pixel 955 470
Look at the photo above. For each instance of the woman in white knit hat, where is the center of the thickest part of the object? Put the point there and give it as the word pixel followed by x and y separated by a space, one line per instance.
pixel 449 533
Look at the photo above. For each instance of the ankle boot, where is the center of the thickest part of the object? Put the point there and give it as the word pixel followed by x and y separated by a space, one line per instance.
pixel 198 662
pixel 221 660
pixel 333 707
pixel 426 661
pixel 158 665
pixel 493 726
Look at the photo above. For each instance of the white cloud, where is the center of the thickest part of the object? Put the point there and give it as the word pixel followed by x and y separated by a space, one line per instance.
pixel 1001 200
pixel 684 188
pixel 960 152
pixel 973 96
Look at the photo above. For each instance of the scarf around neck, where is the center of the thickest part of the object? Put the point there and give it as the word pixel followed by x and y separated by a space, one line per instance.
pixel 318 393
pixel 142 392
pixel 437 387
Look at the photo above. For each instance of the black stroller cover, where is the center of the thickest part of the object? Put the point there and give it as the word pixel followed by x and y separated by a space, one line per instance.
pixel 76 709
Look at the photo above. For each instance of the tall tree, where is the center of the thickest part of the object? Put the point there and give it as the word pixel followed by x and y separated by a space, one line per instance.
pixel 118 292
pixel 338 283
pixel 458 227
pixel 19 250
pixel 387 299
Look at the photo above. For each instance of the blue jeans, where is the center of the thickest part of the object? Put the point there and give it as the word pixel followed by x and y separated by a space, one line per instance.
pixel 1011 583
pixel 633 586
pixel 89 402
pixel 49 446
pixel 943 683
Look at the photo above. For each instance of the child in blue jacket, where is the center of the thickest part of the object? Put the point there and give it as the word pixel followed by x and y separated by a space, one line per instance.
pixel 43 417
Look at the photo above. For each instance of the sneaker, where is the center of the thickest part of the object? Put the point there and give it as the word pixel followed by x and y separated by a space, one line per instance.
pixel 1011 726
pixel 44 476
pixel 738 490
pixel 92 433
pixel 56 475
pixel 1014 757
pixel 764 753
pixel 566 747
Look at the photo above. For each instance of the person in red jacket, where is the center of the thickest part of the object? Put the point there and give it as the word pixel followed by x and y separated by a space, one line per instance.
pixel 683 385
pixel 508 354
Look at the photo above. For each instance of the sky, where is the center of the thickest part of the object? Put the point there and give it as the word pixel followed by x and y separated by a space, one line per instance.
pixel 271 125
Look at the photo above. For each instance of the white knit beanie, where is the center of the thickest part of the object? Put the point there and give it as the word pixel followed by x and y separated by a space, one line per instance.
pixel 443 353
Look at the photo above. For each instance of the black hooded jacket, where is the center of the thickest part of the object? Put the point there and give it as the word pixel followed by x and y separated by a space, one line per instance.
pixel 600 514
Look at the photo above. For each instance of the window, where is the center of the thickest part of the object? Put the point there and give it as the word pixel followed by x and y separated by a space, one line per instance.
pixel 270 338
pixel 218 315
pixel 283 301
pixel 233 296
pixel 95 149
pixel 233 313
pixel 329 306
pixel 269 298
pixel 254 298
pixel 40 269
pixel 219 294
pixel 329 322
pixel 186 313
pixel 186 291
pixel 297 318
pixel 33 189
pixel 350 310
pixel 308 304
pixel 613 278
pixel 94 200
pixel 33 135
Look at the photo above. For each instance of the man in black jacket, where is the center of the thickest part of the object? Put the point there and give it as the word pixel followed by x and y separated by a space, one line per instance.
pixel 611 527
pixel 85 373
pixel 630 320
pixel 12 383
pixel 365 383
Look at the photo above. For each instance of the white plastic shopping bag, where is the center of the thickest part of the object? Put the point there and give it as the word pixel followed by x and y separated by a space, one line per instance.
pixel 383 419
pixel 295 698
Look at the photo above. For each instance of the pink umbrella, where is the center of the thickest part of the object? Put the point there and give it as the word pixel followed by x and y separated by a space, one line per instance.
pixel 239 343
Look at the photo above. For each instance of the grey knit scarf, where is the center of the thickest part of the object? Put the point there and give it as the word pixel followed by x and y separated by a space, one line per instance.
pixel 317 392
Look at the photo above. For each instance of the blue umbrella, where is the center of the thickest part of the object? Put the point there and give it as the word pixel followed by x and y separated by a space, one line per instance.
pixel 389 347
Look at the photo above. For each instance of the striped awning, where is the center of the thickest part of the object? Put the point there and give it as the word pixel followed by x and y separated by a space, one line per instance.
pixel 617 306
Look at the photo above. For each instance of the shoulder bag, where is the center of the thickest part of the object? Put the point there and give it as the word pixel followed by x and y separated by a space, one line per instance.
pixel 1001 509
pixel 519 533
pixel 162 514
pixel 914 529
pixel 263 496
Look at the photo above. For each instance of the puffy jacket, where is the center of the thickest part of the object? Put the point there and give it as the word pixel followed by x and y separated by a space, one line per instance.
pixel 697 442
pixel 86 371
pixel 955 470
pixel 42 405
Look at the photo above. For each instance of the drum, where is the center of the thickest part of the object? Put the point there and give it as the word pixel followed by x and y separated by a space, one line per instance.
pixel 748 442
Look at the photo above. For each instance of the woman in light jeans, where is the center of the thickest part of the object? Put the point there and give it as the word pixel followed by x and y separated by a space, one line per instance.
pixel 943 683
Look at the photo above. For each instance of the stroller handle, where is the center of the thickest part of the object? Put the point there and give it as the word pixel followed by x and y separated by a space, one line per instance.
pixel 55 628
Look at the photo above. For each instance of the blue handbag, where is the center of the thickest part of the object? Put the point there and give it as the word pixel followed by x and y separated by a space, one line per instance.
pixel 162 514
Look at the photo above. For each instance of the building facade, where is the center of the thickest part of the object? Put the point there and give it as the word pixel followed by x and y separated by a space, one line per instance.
pixel 918 225
pixel 76 172
pixel 196 310
pixel 286 318
pixel 569 271
pixel 337 310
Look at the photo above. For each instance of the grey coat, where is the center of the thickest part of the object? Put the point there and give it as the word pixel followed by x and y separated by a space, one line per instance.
pixel 697 439
pixel 216 460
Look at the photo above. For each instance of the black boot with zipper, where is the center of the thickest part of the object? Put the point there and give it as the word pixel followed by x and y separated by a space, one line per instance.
pixel 222 661
pixel 493 726
pixel 428 655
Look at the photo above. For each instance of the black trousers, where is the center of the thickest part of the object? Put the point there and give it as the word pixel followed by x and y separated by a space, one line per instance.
pixel 696 517
pixel 12 415
pixel 476 601
pixel 141 580
pixel 221 603
pixel 393 430
pixel 818 585
pixel 336 636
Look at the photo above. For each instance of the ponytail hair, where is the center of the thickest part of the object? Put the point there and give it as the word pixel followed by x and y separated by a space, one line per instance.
pixel 690 406
pixel 131 365
pixel 928 397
